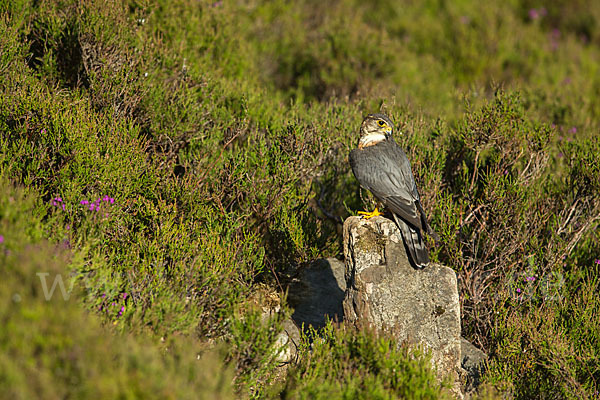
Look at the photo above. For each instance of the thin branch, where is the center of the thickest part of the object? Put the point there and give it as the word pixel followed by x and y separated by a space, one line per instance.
pixel 335 218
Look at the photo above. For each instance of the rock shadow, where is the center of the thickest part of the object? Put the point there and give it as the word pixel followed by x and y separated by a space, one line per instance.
pixel 318 293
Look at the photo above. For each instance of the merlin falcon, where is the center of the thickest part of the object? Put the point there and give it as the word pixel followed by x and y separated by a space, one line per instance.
pixel 381 167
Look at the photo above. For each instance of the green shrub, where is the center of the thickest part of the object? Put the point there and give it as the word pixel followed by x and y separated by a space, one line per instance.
pixel 547 345
pixel 53 348
pixel 340 362
pixel 209 140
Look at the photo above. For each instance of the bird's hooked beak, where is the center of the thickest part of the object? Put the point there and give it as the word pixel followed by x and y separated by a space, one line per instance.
pixel 388 132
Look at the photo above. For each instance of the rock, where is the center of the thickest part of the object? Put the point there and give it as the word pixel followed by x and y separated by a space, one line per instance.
pixel 474 363
pixel 287 342
pixel 318 292
pixel 418 306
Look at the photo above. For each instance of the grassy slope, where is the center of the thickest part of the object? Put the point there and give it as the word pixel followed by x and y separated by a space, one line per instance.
pixel 221 133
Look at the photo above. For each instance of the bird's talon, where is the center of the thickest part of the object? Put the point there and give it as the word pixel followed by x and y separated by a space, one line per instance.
pixel 369 215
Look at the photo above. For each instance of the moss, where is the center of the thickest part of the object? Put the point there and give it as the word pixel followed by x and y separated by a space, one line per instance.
pixel 369 240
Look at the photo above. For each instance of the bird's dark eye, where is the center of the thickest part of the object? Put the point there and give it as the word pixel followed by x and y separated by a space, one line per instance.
pixel 380 123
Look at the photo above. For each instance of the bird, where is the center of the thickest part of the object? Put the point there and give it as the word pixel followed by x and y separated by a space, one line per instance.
pixel 380 166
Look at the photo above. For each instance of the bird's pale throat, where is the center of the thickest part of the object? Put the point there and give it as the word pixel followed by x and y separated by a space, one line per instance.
pixel 370 140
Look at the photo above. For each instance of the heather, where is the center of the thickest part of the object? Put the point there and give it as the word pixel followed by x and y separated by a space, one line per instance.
pixel 176 162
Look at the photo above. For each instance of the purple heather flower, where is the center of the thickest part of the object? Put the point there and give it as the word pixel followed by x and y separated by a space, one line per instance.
pixel 122 308
pixel 112 200
pixel 533 14
pixel 573 130
pixel 92 207
pixel 59 199
pixel 63 207
pixel 2 240
pixel 84 202
pixel 54 203
pixel 518 290
pixel 124 296
pixel 105 198
pixel 560 155
pixel 531 278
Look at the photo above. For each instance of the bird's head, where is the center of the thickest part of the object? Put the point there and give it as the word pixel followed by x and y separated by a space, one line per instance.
pixel 374 129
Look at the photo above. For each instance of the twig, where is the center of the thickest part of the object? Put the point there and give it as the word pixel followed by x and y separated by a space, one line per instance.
pixel 212 165
pixel 329 215
pixel 471 215
pixel 475 172
pixel 571 212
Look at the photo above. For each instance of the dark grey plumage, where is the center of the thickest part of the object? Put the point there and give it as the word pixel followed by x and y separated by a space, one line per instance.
pixel 381 166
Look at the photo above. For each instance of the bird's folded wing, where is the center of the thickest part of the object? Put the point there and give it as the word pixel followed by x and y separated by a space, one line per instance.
pixel 405 210
pixel 389 185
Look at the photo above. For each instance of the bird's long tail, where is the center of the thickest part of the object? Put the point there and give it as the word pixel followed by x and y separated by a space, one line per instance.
pixel 414 243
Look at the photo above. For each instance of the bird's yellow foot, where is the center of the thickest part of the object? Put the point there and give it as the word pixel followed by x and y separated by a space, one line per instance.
pixel 368 215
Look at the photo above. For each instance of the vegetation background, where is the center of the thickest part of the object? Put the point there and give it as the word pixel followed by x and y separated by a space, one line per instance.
pixel 178 161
